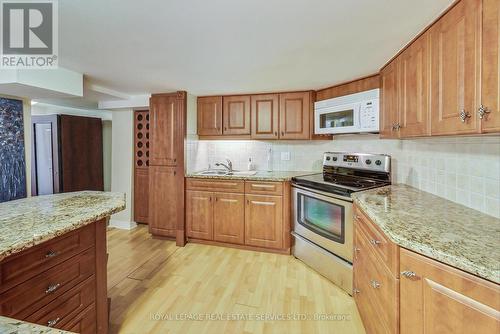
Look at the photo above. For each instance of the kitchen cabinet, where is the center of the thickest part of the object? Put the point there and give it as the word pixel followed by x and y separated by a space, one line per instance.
pixel 436 298
pixel 209 116
pixel 263 221
pixel 236 115
pixel 141 165
pixel 199 215
pixel 265 116
pixel 455 61
pixel 229 218
pixel 389 99
pixel 296 113
pixel 489 109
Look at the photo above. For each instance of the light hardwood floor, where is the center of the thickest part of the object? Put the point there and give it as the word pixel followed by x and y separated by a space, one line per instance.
pixel 150 278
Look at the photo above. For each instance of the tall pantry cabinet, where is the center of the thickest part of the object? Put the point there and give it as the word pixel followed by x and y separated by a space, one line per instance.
pixel 166 165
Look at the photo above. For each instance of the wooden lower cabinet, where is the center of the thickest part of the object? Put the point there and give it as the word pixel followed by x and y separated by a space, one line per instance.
pixel 199 215
pixel 263 221
pixel 441 299
pixel 229 218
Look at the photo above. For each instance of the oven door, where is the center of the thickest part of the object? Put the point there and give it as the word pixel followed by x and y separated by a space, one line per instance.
pixel 337 119
pixel 324 220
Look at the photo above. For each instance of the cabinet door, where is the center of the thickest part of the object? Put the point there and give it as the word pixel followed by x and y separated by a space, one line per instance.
pixel 236 115
pixel 441 299
pixel 210 116
pixel 166 129
pixel 229 218
pixel 454 70
pixel 199 215
pixel 166 196
pixel 389 99
pixel 141 195
pixel 265 116
pixel 490 69
pixel 295 115
pixel 414 102
pixel 263 221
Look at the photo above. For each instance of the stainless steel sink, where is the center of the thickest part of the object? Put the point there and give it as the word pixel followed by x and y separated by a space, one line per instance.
pixel 213 172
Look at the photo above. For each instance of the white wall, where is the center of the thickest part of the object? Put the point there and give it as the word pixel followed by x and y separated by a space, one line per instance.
pixel 122 164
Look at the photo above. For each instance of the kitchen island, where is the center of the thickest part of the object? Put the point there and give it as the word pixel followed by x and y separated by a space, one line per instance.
pixel 53 259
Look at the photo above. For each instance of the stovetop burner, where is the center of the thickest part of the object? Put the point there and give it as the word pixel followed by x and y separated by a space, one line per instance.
pixel 350 182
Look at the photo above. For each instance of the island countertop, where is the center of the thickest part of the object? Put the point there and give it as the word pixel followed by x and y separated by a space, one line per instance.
pixel 28 222
pixel 278 176
pixel 435 227
pixel 13 326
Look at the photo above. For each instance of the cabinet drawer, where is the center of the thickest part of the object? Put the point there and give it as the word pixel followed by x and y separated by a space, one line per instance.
pixel 62 310
pixel 84 323
pixel 379 244
pixel 234 186
pixel 21 267
pixel 264 188
pixel 28 297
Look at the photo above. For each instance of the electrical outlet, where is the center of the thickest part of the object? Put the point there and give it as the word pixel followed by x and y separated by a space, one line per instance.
pixel 285 156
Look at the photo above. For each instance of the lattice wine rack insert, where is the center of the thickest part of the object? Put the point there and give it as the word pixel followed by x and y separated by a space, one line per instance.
pixel 141 124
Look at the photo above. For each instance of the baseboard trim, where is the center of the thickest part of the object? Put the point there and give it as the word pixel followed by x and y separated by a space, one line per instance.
pixel 121 224
pixel 286 251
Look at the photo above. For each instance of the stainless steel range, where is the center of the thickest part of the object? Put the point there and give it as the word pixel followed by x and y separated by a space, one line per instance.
pixel 322 211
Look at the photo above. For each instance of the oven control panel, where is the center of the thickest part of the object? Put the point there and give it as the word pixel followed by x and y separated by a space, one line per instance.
pixel 367 161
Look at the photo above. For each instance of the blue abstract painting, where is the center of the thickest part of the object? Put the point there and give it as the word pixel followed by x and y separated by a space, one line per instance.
pixel 12 159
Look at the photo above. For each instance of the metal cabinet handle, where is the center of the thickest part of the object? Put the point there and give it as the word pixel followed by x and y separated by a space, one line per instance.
pixel 482 111
pixel 52 323
pixel 355 291
pixel 375 242
pixel 276 133
pixel 409 274
pixel 356 249
pixel 374 284
pixel 50 254
pixel 357 217
pixel 52 288
pixel 464 115
pixel 282 133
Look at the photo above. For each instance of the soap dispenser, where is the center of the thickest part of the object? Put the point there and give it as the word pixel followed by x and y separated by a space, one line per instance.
pixel 250 165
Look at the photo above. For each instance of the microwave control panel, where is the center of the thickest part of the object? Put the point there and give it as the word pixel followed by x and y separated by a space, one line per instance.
pixel 368 118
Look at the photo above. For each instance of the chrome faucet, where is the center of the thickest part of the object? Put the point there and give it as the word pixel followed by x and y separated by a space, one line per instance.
pixel 229 165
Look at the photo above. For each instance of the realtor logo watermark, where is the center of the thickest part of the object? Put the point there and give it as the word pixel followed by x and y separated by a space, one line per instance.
pixel 29 38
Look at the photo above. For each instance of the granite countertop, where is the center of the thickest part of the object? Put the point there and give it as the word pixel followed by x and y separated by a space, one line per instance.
pixel 259 176
pixel 435 227
pixel 31 221
pixel 13 326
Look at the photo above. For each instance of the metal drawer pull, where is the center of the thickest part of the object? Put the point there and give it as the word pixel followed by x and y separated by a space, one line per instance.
pixel 409 274
pixel 374 284
pixel 355 291
pixel 375 242
pixel 51 253
pixel 464 115
pixel 52 323
pixel 52 288
pixel 482 111
pixel 356 249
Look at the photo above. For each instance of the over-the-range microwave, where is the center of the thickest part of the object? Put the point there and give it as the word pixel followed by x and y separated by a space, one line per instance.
pixel 352 113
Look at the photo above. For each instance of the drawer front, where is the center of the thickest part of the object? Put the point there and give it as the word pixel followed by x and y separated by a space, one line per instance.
pixel 62 310
pixel 84 323
pixel 376 289
pixel 379 244
pixel 21 267
pixel 234 186
pixel 26 298
pixel 264 188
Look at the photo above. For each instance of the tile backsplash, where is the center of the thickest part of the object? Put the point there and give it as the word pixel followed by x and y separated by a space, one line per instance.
pixel 465 170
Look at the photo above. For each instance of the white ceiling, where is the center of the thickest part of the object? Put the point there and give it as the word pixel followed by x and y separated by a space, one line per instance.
pixel 234 46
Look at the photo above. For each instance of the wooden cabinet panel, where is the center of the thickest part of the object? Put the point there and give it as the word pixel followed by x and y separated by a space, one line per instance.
pixel 389 99
pixel 210 116
pixel 295 115
pixel 264 188
pixel 263 221
pixel 414 102
pixel 265 116
pixel 236 115
pixel 167 129
pixel 141 195
pixel 229 218
pixel 166 196
pixel 490 66
pixel 455 70
pixel 199 215
pixel 84 323
pixel 233 186
pixel 441 299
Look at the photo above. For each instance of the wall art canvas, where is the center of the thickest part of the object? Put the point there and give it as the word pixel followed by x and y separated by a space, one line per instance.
pixel 12 158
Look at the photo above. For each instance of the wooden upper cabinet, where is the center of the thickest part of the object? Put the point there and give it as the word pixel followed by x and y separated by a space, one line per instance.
pixel 389 99
pixel 263 221
pixel 199 215
pixel 166 198
pixel 229 218
pixel 295 115
pixel 236 115
pixel 441 299
pixel 265 116
pixel 490 75
pixel 210 116
pixel 414 89
pixel 166 129
pixel 454 70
